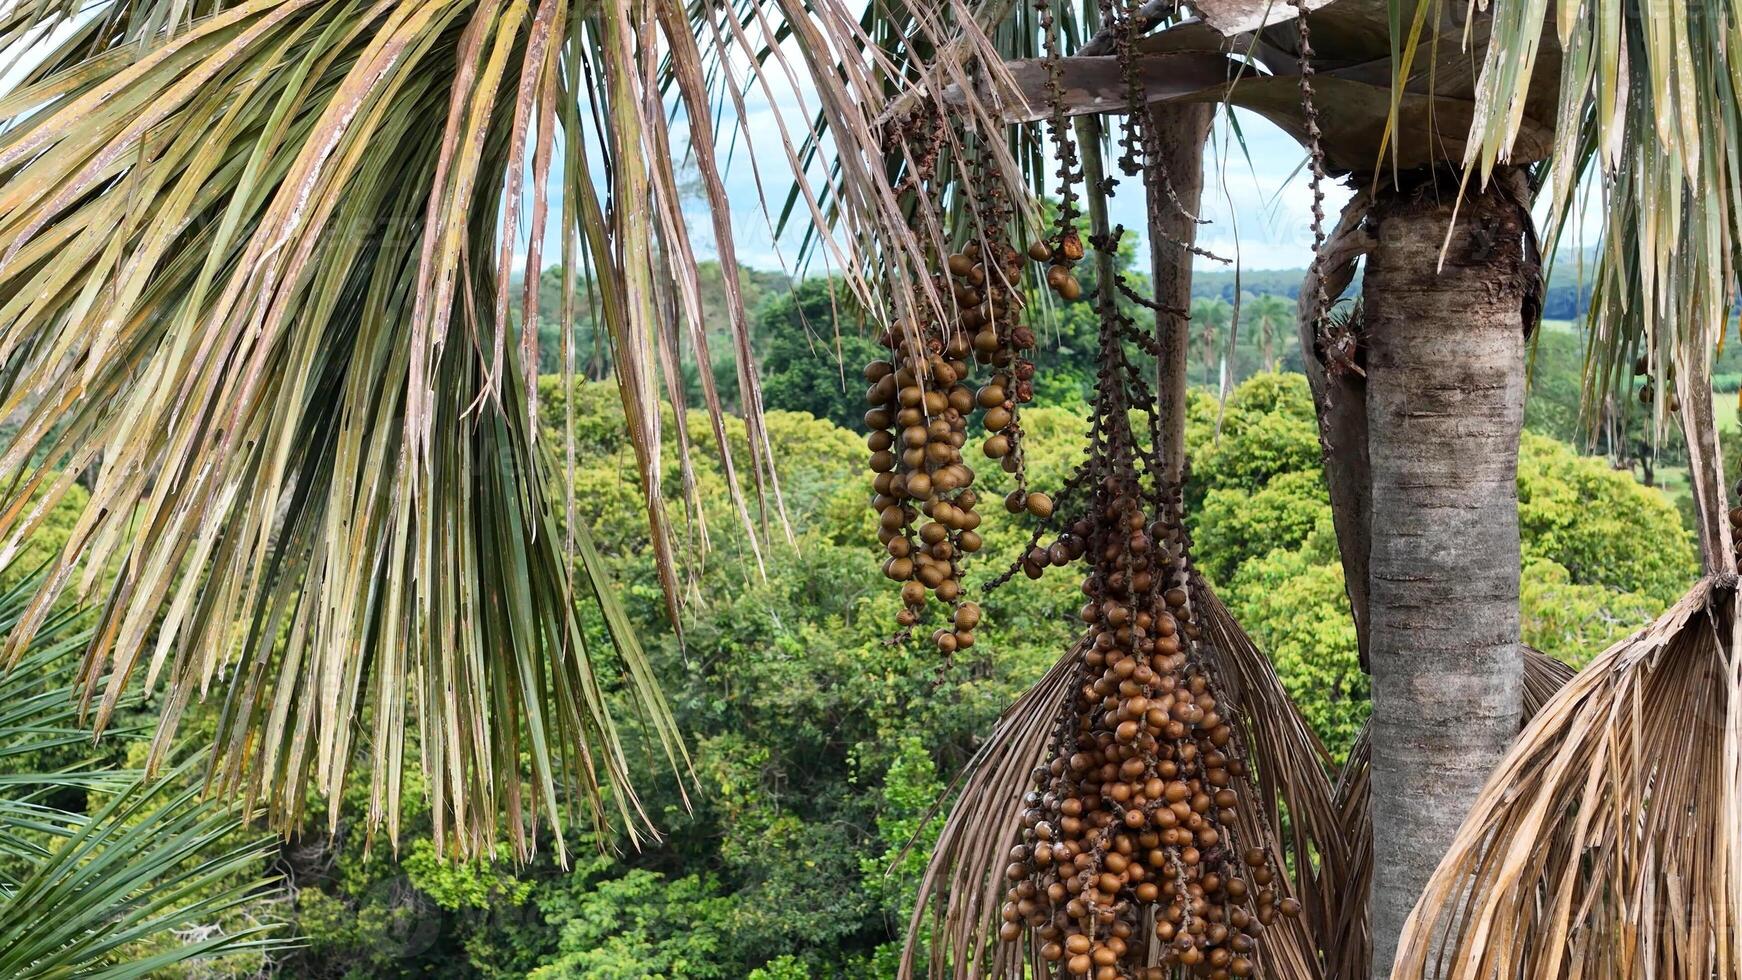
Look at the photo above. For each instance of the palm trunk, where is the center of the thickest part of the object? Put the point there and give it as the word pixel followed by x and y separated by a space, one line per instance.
pixel 1333 370
pixel 1185 129
pixel 1445 404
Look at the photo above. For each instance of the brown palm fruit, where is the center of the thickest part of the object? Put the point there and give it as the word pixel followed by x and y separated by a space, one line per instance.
pixel 1133 819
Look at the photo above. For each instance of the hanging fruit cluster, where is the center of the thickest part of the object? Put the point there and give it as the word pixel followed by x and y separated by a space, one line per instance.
pixel 1132 824
pixel 922 399
pixel 1004 343
pixel 1061 255
pixel 1131 861
pixel 920 403
pixel 1131 827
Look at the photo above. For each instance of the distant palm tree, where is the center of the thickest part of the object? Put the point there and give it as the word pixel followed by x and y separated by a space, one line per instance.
pixel 1212 316
pixel 1270 313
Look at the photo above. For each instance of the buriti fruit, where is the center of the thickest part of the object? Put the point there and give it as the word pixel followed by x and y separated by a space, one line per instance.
pixel 920 401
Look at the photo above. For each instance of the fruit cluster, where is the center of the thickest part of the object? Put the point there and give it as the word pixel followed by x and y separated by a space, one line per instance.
pixel 1642 368
pixel 1001 341
pixel 1132 824
pixel 1062 255
pixel 920 403
pixel 1004 343
pixel 1129 862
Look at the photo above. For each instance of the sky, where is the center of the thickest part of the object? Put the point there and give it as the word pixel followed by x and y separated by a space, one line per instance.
pixel 1257 199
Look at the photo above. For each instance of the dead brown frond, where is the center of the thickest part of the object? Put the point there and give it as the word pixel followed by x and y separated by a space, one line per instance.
pixel 1608 842
pixel 956 912
pixel 1350 950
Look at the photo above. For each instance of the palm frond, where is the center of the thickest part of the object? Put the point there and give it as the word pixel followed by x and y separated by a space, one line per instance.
pixel 255 269
pixel 106 889
pixel 956 912
pixel 1647 110
pixel 101 892
pixel 1609 841
pixel 1351 946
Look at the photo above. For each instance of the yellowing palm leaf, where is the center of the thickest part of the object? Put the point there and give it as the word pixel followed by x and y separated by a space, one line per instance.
pixel 255 273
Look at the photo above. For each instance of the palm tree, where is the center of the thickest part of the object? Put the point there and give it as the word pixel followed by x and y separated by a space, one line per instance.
pixel 1212 315
pixel 246 281
pixel 1406 493
pixel 1462 394
pixel 1658 121
pixel 1447 305
pixel 1270 313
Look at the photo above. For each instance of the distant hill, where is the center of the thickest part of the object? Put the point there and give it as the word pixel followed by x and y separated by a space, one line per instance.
pixel 1567 297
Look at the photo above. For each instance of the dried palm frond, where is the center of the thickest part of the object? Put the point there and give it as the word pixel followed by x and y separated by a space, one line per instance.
pixel 963 885
pixel 1350 950
pixel 1609 841
pixel 962 890
pixel 256 262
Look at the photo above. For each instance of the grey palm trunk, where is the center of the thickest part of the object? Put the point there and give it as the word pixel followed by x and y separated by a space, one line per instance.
pixel 1444 346
pixel 1172 233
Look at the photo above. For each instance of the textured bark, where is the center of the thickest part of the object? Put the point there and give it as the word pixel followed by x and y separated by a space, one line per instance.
pixel 1445 404
pixel 1184 129
pixel 1340 396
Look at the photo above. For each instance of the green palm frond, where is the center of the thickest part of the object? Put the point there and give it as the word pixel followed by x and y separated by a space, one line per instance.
pixel 1647 110
pixel 256 263
pixel 106 889
pixel 102 892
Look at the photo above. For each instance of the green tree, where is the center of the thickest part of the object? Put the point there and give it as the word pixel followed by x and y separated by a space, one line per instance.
pixel 813 355
pixel 1263 532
